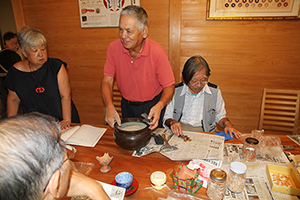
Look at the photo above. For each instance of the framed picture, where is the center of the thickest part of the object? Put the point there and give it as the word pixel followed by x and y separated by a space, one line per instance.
pixel 252 9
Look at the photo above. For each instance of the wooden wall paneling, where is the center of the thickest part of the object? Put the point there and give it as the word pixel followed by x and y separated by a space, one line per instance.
pixel 244 56
pixel 158 14
pixel 174 38
pixel 18 14
pixel 84 49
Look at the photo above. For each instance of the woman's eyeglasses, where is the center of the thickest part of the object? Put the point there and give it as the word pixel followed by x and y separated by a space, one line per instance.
pixel 202 80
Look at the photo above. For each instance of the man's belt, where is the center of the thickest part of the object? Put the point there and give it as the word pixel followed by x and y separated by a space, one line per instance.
pixel 140 103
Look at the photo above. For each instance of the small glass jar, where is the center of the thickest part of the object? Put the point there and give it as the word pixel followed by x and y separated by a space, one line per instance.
pixel 249 149
pixel 216 185
pixel 237 177
pixel 158 179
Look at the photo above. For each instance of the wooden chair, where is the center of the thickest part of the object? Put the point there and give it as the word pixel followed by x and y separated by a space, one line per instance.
pixel 279 111
pixel 117 98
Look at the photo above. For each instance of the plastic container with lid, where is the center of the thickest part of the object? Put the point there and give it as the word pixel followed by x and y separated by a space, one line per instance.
pixel 249 149
pixel 216 186
pixel 237 177
pixel 158 179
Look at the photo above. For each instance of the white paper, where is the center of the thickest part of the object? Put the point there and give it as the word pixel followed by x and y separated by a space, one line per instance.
pixel 102 13
pixel 69 132
pixel 85 135
pixel 114 192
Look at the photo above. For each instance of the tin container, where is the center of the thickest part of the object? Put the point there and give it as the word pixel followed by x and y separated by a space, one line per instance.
pixel 250 148
pixel 216 186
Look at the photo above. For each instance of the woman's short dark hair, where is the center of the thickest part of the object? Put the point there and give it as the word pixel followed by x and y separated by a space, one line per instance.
pixel 193 65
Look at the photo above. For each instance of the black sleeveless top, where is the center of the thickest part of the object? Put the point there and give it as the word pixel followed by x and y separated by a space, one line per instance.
pixel 27 85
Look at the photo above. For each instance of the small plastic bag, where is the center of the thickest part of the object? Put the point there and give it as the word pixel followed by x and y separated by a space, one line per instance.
pixel 254 134
pixel 269 147
pixel 179 195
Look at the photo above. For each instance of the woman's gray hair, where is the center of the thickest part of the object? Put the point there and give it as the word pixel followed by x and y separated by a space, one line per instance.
pixel 138 13
pixel 192 66
pixel 30 36
pixel 30 152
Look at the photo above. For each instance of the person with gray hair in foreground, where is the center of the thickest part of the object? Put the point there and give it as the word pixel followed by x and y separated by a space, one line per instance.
pixel 34 164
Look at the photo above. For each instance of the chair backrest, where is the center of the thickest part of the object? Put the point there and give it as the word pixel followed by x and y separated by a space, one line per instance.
pixel 279 111
pixel 117 98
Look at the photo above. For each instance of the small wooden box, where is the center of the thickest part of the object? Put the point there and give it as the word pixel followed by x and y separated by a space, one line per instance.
pixel 290 173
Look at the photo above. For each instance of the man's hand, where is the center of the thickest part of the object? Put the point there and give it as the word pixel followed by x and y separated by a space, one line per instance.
pixel 230 129
pixel 155 114
pixel 176 127
pixel 81 185
pixel 112 116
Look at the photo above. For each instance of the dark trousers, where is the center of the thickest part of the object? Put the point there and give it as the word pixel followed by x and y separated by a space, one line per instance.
pixel 135 109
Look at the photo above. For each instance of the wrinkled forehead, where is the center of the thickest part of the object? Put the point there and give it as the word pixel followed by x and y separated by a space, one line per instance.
pixel 37 45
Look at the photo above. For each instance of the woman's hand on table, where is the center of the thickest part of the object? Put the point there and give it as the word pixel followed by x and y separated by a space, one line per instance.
pixel 64 124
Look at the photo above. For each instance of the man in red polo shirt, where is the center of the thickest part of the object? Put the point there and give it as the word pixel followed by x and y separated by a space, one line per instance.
pixel 142 69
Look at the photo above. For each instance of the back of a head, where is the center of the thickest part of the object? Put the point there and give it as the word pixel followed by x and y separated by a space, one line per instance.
pixel 30 36
pixel 138 13
pixel 30 151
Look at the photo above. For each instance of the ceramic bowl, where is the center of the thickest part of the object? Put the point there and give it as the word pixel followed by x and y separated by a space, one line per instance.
pixel 133 133
pixel 124 179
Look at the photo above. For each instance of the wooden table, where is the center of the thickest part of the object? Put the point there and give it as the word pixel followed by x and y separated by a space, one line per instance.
pixel 140 167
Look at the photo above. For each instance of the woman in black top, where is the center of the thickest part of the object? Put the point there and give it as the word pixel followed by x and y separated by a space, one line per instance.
pixel 41 83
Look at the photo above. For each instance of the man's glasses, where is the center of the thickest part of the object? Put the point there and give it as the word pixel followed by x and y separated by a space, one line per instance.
pixel 71 152
pixel 202 80
pixel 70 155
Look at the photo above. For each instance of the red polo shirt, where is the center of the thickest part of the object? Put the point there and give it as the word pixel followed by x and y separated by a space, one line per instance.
pixel 143 78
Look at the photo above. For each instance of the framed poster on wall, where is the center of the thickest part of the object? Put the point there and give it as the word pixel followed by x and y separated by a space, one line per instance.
pixel 102 13
pixel 253 9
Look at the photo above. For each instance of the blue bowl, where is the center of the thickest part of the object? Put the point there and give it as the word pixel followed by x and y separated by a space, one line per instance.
pixel 124 180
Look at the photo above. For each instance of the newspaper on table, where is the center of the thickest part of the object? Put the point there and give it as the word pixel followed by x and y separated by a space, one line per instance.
pixel 257 184
pixel 201 146
pixel 258 187
pixel 295 138
pixel 234 152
